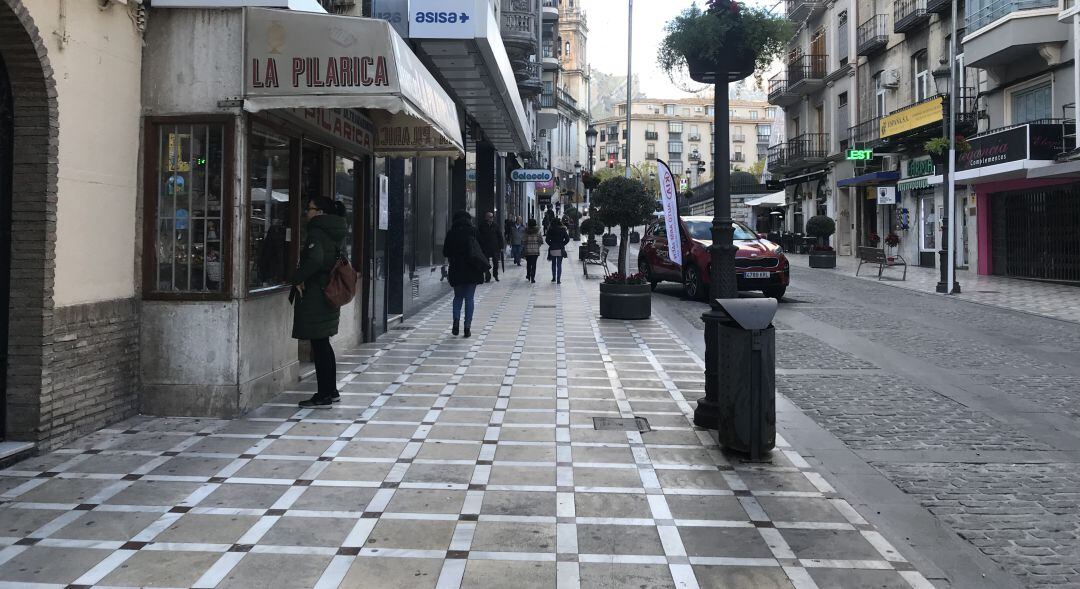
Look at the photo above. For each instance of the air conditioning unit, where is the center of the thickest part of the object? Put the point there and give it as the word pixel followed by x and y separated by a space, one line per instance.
pixel 890 78
pixel 890 162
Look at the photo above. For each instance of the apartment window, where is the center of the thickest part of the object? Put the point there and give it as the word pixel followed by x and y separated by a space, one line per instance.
pixel 189 206
pixel 731 113
pixel 612 150
pixel 674 127
pixel 1030 102
pixel 842 99
pixel 922 76
pixel 710 111
pixel 754 114
pixel 650 127
pixel 566 49
pixel 622 109
pixel 694 136
pixel 842 38
pixel 669 109
pixel 674 146
pixel 879 96
pixel 650 151
pixel 613 132
pixel 676 166
pixel 603 136
pixel 738 155
pixel 770 113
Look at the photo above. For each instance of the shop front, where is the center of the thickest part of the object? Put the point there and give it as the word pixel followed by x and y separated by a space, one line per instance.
pixel 334 107
pixel 1026 204
pixel 874 207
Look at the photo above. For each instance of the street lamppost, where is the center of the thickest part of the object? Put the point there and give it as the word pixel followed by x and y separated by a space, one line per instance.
pixel 944 80
pixel 577 182
pixel 590 142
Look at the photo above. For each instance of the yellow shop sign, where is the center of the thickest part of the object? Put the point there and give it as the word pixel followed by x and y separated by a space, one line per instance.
pixel 912 117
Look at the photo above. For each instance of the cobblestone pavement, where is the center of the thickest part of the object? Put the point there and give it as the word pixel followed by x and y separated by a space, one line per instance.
pixel 971 409
pixel 450 462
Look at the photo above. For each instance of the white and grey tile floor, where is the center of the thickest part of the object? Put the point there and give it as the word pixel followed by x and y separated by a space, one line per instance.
pixel 448 463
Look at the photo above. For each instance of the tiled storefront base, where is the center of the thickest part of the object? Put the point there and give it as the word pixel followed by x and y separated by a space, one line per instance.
pixel 449 463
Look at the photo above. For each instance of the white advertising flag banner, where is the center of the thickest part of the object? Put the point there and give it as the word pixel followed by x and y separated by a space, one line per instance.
pixel 668 194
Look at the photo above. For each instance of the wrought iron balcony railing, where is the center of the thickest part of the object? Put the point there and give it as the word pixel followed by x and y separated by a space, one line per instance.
pixel 873 35
pixel 995 9
pixel 806 68
pixel 909 15
pixel 651 135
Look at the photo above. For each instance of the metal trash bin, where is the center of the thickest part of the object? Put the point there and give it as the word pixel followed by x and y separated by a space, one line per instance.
pixel 740 382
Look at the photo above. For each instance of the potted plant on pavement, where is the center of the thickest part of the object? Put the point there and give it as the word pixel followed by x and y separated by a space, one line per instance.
pixel 622 202
pixel 574 215
pixel 873 239
pixel 822 255
pixel 625 297
pixel 726 36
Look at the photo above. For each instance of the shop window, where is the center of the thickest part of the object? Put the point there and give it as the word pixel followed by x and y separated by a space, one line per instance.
pixel 187 210
pixel 272 208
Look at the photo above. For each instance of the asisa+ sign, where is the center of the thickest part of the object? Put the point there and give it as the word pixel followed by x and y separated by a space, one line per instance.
pixel 444 19
pixel 531 175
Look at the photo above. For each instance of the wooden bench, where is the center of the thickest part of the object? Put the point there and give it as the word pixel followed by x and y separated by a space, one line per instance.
pixel 873 255
pixel 597 256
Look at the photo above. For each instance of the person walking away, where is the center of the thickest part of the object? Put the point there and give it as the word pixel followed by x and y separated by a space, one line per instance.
pixel 463 274
pixel 516 237
pixel 531 245
pixel 557 238
pixel 491 241
pixel 314 318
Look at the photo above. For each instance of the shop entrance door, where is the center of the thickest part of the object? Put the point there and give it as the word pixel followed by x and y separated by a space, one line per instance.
pixel 7 144
pixel 927 231
pixel 1033 234
pixel 869 215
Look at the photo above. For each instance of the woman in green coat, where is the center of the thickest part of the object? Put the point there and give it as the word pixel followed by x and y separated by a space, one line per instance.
pixel 314 318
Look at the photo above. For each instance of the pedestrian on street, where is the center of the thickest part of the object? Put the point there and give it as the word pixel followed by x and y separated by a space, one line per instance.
pixel 492 242
pixel 314 318
pixel 557 238
pixel 531 246
pixel 463 275
pixel 549 218
pixel 516 237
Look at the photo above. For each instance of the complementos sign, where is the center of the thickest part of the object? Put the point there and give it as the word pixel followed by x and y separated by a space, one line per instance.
pixel 1035 142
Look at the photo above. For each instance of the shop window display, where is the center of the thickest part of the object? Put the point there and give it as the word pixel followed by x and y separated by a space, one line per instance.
pixel 188 247
pixel 271 209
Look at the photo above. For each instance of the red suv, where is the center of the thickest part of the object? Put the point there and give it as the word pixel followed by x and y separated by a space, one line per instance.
pixel 759 264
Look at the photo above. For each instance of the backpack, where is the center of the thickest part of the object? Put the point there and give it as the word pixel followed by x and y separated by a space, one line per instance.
pixel 341 288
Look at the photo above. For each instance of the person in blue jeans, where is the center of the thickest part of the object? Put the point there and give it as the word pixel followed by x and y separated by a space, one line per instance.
pixel 463 274
pixel 515 236
pixel 557 238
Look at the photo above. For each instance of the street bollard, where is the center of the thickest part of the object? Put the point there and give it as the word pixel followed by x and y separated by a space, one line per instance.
pixel 740 382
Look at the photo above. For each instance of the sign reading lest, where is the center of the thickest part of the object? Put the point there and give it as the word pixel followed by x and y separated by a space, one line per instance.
pixel 860 154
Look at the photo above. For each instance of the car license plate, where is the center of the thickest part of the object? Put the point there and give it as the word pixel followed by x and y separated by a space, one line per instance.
pixel 755 274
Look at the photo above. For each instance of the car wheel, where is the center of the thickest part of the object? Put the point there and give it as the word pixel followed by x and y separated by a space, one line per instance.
pixel 693 284
pixel 776 292
pixel 643 268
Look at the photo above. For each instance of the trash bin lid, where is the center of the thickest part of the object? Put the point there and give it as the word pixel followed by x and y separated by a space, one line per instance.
pixel 750 313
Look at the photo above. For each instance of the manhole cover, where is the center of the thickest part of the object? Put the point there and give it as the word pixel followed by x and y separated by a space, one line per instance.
pixel 622 424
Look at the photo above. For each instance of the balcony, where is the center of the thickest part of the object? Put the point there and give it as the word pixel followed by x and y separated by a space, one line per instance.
pixel 909 15
pixel 650 155
pixel 966 119
pixel 651 135
pixel 800 10
pixel 551 10
pixel 1025 36
pixel 694 137
pixel 675 147
pixel 779 94
pixel 528 79
pixel 763 139
pixel 872 36
pixel 737 158
pixel 550 56
pixel 694 156
pixel 519 30
pixel 866 134
pixel 943 6
pixel 800 152
pixel 568 102
pixel 738 138
pixel 806 74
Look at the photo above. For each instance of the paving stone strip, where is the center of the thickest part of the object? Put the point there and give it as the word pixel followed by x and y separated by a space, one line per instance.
pixel 449 463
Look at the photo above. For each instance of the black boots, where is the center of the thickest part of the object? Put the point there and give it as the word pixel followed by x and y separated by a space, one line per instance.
pixel 468 333
pixel 454 330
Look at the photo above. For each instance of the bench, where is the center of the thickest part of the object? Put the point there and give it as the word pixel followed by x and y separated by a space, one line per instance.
pixel 873 255
pixel 596 255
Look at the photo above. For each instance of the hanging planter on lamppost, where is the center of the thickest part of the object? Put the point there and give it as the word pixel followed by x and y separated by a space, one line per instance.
pixel 721 44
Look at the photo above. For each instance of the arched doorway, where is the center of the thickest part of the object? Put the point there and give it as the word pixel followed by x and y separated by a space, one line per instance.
pixel 29 127
pixel 7 144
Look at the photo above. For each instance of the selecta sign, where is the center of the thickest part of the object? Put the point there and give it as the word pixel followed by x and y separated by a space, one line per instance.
pixel 531 175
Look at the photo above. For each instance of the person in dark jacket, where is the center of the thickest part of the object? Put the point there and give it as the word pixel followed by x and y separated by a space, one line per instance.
pixel 491 241
pixel 531 246
pixel 464 275
pixel 557 238
pixel 516 237
pixel 314 319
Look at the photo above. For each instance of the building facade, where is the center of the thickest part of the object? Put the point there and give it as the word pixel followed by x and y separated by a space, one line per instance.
pixel 680 132
pixel 150 220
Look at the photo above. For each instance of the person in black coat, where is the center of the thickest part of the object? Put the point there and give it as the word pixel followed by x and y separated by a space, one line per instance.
pixel 557 238
pixel 463 275
pixel 491 241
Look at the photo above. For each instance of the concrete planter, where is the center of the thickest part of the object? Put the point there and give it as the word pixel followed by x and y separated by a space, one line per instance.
pixel 625 301
pixel 610 240
pixel 823 259
pixel 635 237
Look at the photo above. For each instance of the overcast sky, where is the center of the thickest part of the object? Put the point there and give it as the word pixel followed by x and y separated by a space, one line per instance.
pixel 607 39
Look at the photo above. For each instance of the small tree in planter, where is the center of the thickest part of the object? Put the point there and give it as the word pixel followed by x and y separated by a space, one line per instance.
pixel 823 255
pixel 623 202
pixel 574 215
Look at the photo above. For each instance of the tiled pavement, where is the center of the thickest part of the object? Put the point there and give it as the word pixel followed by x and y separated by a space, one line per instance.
pixel 1057 301
pixel 449 462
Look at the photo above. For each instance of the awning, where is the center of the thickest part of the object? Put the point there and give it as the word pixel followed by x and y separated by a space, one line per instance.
pixel 300 60
pixel 469 54
pixel 301 5
pixel 918 183
pixel 871 179
pixel 774 199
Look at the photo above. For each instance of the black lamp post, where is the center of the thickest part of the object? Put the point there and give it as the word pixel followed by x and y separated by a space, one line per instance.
pixel 590 142
pixel 943 81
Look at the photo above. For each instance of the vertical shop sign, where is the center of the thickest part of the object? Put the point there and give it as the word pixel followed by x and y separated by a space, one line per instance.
pixel 671 212
pixel 384 202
